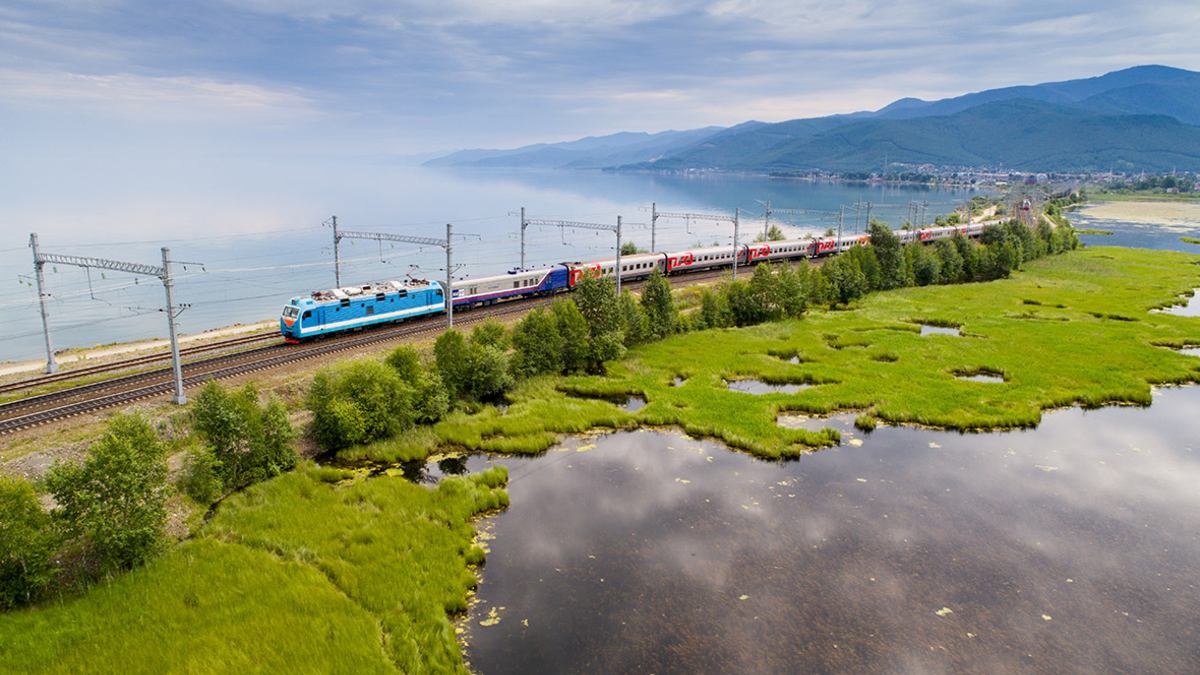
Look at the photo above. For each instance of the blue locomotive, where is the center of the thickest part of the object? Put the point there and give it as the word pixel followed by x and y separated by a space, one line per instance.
pixel 351 307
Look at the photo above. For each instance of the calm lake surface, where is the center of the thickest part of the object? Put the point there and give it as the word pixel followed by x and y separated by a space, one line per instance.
pixel 1073 548
pixel 262 234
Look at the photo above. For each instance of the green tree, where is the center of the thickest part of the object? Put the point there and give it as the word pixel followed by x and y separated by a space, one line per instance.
pixel 763 290
pixel 248 442
pixel 967 250
pixel 430 399
pixel 846 282
pixel 490 333
pixel 358 402
pixel 472 369
pixel 633 320
pixel 537 344
pixel 630 248
pixel 714 309
pixel 890 254
pixel 951 261
pixel 773 234
pixel 662 317
pixel 573 330
pixel 28 542
pixel 869 264
pixel 116 499
pixel 597 303
pixel 745 308
pixel 926 268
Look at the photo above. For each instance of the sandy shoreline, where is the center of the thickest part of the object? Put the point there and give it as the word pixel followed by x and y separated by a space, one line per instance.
pixel 81 355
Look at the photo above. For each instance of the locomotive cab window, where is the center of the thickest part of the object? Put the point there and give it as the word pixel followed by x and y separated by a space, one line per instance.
pixel 307 315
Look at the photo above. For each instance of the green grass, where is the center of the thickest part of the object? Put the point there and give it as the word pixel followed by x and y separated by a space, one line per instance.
pixel 303 573
pixel 1105 233
pixel 1189 240
pixel 1069 330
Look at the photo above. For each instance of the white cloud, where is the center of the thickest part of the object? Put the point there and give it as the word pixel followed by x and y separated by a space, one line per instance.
pixel 175 98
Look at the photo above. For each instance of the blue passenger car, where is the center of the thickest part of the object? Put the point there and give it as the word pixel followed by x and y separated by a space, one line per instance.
pixel 353 307
pixel 516 283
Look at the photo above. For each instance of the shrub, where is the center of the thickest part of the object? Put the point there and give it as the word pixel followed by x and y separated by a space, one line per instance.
pixel 28 541
pixel 474 369
pixel 359 402
pixel 573 330
pixel 634 324
pixel 662 317
pixel 249 442
pixel 116 498
pixel 537 344
pixel 430 398
pixel 201 478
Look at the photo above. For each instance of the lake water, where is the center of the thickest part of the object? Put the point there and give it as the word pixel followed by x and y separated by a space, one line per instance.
pixel 261 232
pixel 1154 225
pixel 1072 548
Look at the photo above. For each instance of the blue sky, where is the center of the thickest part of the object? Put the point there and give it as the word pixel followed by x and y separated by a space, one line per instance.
pixel 312 77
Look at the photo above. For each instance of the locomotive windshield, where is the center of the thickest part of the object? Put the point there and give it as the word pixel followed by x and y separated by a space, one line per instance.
pixel 290 312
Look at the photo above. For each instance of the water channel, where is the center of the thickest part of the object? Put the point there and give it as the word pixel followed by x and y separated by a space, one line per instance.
pixel 1070 548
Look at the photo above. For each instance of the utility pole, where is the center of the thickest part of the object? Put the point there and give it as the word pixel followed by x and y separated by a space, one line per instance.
pixel 767 221
pixel 450 276
pixel 448 292
pixel 653 225
pixel 841 215
pixel 737 214
pixel 618 270
pixel 163 273
pixel 523 226
pixel 51 365
pixel 337 264
pixel 180 399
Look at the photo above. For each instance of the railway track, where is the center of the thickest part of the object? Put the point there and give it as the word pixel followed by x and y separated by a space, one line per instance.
pixel 38 410
pixel 43 409
pixel 134 362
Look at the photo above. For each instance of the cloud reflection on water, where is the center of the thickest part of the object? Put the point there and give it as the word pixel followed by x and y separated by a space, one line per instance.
pixel 617 563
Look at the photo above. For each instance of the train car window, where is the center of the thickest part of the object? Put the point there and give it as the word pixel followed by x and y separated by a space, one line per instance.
pixel 516 284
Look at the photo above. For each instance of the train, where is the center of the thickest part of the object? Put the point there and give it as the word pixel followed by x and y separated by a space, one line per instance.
pixel 356 307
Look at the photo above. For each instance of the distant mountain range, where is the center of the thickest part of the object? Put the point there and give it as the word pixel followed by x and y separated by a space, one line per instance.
pixel 1138 119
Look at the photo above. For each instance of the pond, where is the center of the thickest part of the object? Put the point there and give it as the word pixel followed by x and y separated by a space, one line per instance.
pixel 1070 548
pixel 758 387
pixel 938 330
pixel 1190 308
pixel 980 378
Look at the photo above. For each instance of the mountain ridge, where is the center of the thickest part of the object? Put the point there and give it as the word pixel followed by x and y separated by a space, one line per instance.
pixel 1139 118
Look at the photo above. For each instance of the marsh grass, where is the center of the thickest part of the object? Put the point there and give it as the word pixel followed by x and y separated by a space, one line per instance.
pixel 313 571
pixel 1068 330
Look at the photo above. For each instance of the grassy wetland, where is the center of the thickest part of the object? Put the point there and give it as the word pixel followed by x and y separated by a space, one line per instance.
pixel 329 570
pixel 319 570
pixel 1070 330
